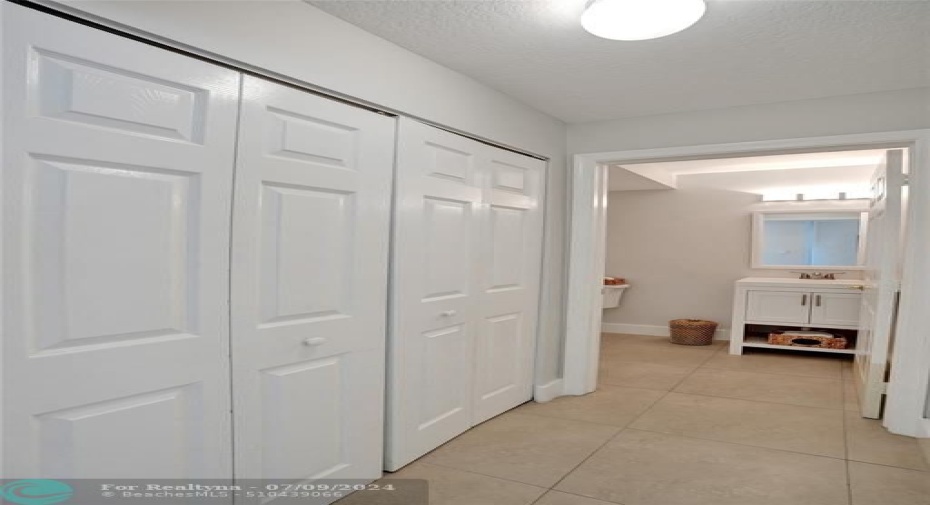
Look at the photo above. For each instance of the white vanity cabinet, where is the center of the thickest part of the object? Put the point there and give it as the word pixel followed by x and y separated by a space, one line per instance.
pixel 794 304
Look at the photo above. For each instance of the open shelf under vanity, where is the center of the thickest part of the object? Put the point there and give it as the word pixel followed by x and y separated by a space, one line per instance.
pixel 757 336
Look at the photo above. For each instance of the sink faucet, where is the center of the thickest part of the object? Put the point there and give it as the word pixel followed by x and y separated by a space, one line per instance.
pixel 819 275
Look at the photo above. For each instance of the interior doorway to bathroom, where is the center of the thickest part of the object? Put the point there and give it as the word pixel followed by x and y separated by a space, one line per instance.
pixel 680 233
pixel 692 223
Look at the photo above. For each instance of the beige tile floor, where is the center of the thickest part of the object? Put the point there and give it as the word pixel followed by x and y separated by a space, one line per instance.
pixel 674 425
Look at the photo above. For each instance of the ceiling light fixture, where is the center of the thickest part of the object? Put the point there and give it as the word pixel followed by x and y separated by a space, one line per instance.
pixel 640 19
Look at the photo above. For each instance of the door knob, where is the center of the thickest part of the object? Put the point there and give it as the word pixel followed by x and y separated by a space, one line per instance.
pixel 448 313
pixel 314 341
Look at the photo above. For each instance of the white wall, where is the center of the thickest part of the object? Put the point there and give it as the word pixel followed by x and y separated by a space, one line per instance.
pixel 682 250
pixel 724 258
pixel 907 109
pixel 297 40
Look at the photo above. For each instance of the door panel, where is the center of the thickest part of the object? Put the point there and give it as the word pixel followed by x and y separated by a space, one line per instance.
pixel 881 281
pixel 69 439
pixel 117 171
pixel 438 205
pixel 468 239
pixel 788 307
pixel 141 284
pixel 509 282
pixel 286 421
pixel 444 371
pixel 446 231
pixel 836 309
pixel 310 238
pixel 298 249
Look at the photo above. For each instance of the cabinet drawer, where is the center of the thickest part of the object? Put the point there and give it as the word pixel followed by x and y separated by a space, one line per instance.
pixel 789 307
pixel 836 309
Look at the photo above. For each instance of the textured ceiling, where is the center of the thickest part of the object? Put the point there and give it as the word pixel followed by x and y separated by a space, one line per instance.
pixel 742 52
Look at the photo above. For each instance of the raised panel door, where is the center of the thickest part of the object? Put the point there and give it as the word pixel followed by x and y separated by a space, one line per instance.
pixel 836 309
pixel 434 290
pixel 117 181
pixel 310 247
pixel 785 307
pixel 508 274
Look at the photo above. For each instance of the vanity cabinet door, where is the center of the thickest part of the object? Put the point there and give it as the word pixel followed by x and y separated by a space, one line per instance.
pixel 835 309
pixel 778 307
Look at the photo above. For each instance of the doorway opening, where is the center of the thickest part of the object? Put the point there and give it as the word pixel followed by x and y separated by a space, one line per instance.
pixel 694 220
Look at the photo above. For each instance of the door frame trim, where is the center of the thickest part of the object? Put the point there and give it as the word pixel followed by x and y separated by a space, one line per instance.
pixel 910 369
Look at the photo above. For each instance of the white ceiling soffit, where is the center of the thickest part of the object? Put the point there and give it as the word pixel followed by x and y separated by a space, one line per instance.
pixel 811 169
pixel 755 163
pixel 831 180
pixel 621 179
pixel 742 52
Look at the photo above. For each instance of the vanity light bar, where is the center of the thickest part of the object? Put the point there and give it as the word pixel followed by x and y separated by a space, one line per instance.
pixel 783 196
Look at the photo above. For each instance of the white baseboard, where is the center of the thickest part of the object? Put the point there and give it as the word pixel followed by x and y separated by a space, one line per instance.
pixel 549 391
pixel 654 330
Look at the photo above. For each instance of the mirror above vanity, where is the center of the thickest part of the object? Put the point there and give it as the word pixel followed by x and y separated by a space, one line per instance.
pixel 808 239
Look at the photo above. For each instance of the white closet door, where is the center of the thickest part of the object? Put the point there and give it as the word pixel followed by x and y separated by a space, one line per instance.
pixel 434 292
pixel 508 271
pixel 310 247
pixel 117 172
pixel 467 250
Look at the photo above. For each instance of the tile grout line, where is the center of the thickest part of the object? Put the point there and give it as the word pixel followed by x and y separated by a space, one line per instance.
pixel 473 472
pixel 886 465
pixel 841 411
pixel 636 418
pixel 783 374
pixel 740 444
pixel 548 416
pixel 633 420
pixel 703 365
pixel 672 390
pixel 621 429
pixel 609 440
pixel 725 350
pixel 589 456
pixel 624 428
pixel 573 494
pixel 756 401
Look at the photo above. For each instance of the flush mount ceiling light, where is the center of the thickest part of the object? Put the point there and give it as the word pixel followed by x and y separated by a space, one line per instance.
pixel 640 19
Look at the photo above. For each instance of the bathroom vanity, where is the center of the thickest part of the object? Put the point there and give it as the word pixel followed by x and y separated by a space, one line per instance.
pixel 793 304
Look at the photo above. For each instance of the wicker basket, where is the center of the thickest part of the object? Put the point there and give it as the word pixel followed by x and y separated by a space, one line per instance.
pixel 816 341
pixel 692 331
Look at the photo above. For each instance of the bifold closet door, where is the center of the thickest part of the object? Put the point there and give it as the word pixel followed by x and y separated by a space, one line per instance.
pixel 467 249
pixel 310 246
pixel 508 277
pixel 117 173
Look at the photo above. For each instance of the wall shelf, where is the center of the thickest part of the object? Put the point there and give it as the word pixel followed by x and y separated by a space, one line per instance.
pixel 762 343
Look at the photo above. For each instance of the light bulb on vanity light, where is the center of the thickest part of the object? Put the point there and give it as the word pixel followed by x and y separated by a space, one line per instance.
pixel 640 19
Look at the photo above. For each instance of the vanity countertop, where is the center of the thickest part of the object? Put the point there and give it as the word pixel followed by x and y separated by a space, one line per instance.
pixel 801 283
